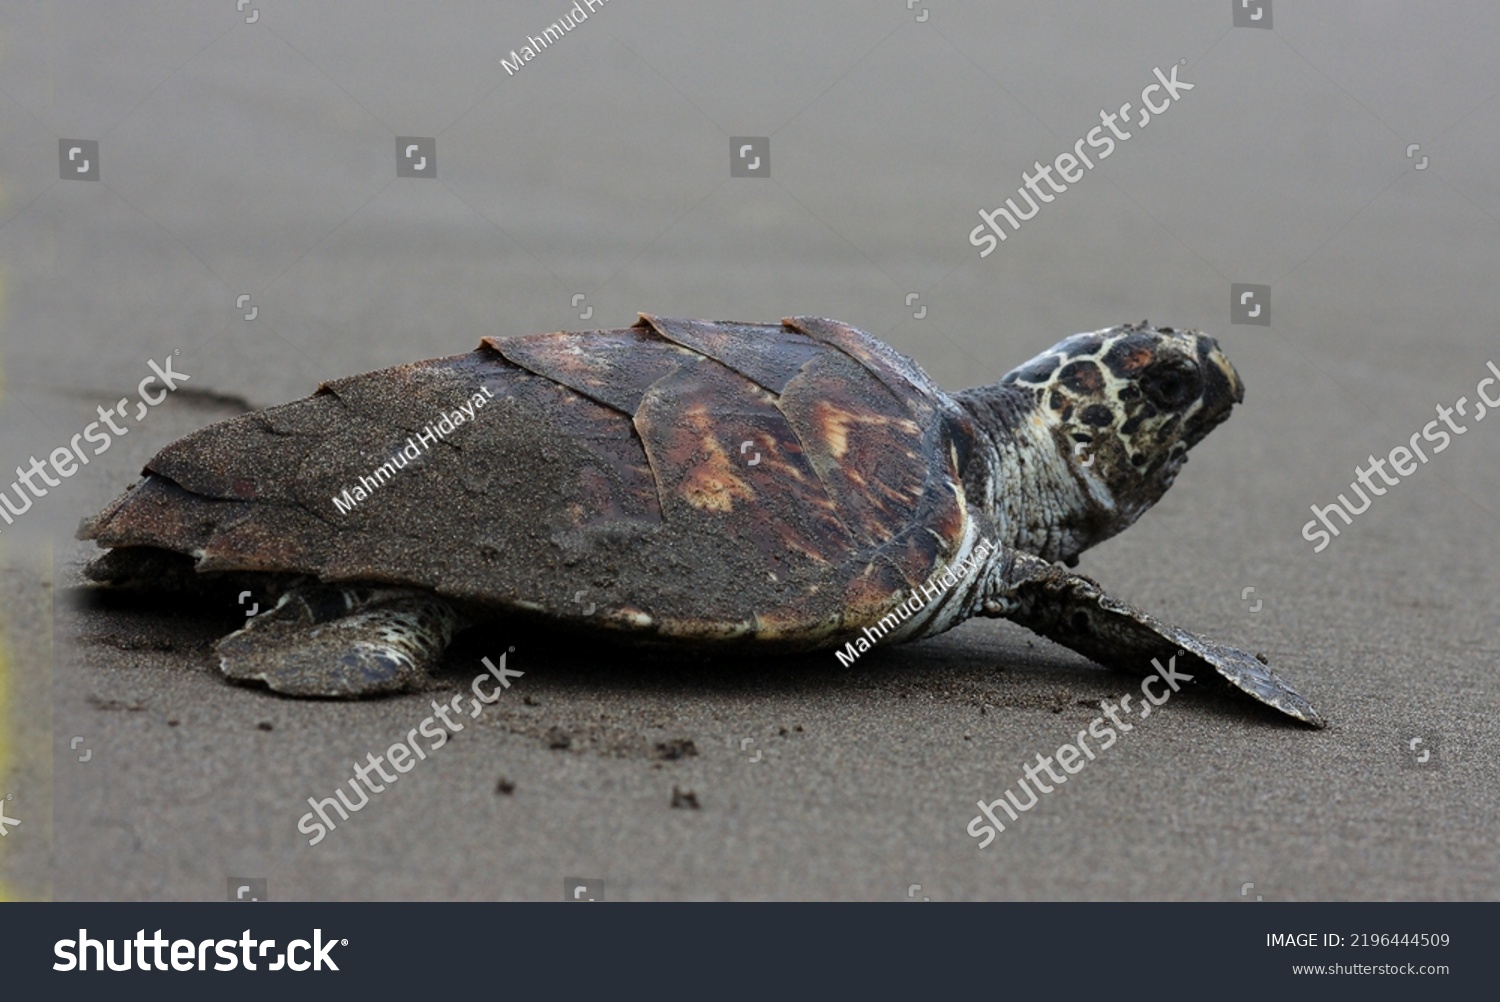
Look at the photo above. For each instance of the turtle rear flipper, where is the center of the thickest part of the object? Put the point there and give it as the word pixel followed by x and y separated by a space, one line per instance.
pixel 1076 612
pixel 324 640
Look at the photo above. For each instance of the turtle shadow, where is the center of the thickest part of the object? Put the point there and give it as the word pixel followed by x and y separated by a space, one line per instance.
pixel 101 615
pixel 984 671
pixel 563 659
pixel 985 675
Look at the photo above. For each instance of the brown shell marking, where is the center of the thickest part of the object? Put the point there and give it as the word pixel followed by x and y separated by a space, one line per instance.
pixel 694 425
pixel 610 464
pixel 768 355
pixel 862 443
pixel 901 376
pixel 614 367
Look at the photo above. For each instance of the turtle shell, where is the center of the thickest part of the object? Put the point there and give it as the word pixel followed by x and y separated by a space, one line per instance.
pixel 692 479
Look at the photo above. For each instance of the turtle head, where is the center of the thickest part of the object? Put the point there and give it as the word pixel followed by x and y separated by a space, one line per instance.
pixel 1122 407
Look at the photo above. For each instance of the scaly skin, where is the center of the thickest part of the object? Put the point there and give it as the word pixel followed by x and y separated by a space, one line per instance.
pixel 1075 445
pixel 1085 437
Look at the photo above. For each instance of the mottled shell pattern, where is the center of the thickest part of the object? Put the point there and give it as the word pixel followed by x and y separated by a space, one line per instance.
pixel 687 479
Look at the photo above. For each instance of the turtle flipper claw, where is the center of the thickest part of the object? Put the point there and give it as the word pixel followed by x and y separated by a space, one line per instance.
pixel 341 642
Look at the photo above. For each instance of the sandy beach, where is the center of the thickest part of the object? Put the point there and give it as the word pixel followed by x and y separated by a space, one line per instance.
pixel 251 222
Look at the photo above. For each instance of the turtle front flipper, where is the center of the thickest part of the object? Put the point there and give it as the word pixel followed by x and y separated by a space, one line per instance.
pixel 1076 612
pixel 327 640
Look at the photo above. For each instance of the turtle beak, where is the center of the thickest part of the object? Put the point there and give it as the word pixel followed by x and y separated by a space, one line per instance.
pixel 1222 389
pixel 1219 375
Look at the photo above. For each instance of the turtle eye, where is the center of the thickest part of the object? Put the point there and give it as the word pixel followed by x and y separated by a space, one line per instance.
pixel 1172 385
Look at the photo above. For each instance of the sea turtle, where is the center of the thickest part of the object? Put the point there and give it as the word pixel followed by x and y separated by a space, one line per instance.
pixel 784 486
